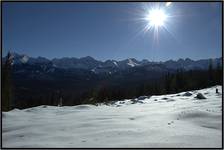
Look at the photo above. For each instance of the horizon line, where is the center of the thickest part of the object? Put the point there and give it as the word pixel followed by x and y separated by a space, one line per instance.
pixel 110 59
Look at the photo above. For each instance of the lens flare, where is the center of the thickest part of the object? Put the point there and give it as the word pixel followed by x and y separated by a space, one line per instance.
pixel 168 4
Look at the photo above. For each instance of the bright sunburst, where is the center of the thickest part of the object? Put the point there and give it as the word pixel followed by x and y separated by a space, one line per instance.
pixel 156 17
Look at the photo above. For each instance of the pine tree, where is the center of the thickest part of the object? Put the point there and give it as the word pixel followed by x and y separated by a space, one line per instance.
pixel 218 73
pixel 7 84
pixel 210 72
pixel 167 82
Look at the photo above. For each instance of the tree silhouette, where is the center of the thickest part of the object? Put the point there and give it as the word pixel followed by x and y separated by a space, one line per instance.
pixel 7 84
pixel 210 71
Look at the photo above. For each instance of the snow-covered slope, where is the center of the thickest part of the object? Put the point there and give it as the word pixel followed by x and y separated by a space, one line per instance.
pixel 176 120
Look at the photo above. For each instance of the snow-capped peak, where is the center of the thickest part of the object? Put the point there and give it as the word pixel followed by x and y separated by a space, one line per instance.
pixel 132 63
pixel 24 59
pixel 115 63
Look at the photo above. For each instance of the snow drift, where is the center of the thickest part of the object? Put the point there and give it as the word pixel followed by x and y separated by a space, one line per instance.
pixel 175 120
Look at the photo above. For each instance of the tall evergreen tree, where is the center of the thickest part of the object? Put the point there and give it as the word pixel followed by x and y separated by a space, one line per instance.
pixel 210 70
pixel 7 84
pixel 218 73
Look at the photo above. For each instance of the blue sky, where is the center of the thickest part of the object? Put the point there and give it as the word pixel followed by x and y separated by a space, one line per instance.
pixel 111 30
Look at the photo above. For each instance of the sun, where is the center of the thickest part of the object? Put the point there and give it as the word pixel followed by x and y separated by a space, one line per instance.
pixel 156 17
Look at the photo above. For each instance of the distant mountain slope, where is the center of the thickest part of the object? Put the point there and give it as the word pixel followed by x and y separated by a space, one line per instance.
pixel 38 80
pixel 111 66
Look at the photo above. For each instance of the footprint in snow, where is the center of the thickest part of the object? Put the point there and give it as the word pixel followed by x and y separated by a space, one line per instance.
pixel 131 118
pixel 170 100
pixel 169 123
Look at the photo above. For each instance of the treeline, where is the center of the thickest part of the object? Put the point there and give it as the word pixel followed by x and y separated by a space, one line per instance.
pixel 171 83
pixel 104 91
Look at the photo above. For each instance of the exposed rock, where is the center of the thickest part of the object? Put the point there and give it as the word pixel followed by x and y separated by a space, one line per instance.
pixel 187 94
pixel 143 97
pixel 136 100
pixel 121 102
pixel 200 96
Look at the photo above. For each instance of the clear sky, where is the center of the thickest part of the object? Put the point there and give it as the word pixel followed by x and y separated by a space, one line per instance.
pixel 112 30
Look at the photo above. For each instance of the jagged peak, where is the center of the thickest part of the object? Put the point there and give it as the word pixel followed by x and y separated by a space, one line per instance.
pixel 24 58
pixel 87 58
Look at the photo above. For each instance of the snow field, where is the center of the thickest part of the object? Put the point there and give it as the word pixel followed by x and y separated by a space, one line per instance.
pixel 158 121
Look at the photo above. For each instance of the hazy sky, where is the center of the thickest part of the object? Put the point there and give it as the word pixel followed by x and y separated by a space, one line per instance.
pixel 112 30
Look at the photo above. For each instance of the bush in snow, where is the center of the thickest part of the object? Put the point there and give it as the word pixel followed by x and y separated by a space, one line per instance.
pixel 216 91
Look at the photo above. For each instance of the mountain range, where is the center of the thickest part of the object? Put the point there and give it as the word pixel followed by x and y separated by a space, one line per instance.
pixel 109 66
pixel 39 80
